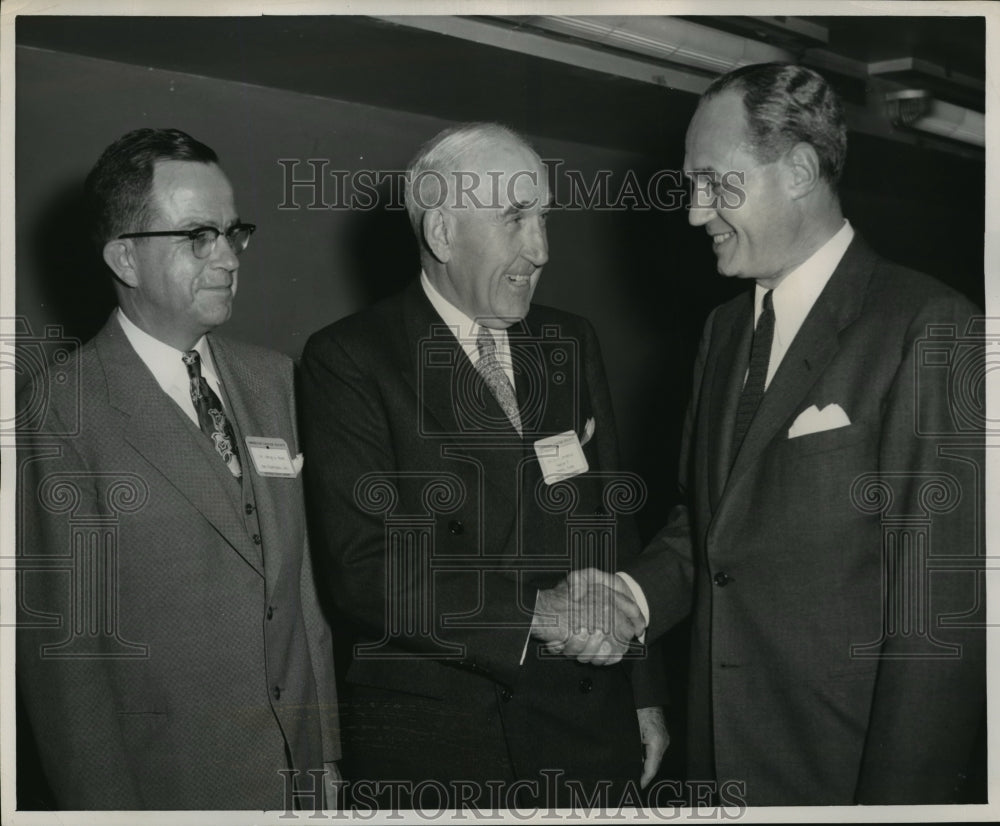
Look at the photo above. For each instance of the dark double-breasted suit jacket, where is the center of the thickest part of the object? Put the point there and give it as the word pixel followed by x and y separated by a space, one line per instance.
pixel 190 663
pixel 837 650
pixel 403 435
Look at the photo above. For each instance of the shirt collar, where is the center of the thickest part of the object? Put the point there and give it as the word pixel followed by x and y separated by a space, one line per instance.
pixel 795 296
pixel 164 361
pixel 464 328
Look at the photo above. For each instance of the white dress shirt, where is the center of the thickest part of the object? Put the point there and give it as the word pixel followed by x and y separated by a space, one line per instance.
pixel 792 300
pixel 164 362
pixel 466 330
pixel 794 297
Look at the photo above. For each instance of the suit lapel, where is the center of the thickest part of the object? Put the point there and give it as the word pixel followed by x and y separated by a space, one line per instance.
pixel 160 431
pixel 547 379
pixel 452 398
pixel 252 414
pixel 813 348
pixel 728 366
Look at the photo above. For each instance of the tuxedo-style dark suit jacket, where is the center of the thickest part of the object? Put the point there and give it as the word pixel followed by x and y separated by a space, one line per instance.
pixel 838 649
pixel 439 531
pixel 208 667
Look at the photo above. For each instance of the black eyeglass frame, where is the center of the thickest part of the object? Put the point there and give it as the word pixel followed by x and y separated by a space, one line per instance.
pixel 192 235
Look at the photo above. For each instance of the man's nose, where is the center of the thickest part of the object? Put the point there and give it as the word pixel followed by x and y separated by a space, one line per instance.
pixel 224 256
pixel 699 216
pixel 536 244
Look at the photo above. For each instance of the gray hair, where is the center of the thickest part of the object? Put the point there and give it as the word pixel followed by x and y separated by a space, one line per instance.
pixel 428 174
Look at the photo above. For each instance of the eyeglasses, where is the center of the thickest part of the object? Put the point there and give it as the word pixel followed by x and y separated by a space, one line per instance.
pixel 203 239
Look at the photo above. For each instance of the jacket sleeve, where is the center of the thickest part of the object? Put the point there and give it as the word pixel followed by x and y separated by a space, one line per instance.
pixel 319 636
pixel 929 701
pixel 649 679
pixel 70 701
pixel 320 642
pixel 665 568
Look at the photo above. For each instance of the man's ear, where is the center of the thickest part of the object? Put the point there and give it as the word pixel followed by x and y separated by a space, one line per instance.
pixel 119 254
pixel 437 234
pixel 803 164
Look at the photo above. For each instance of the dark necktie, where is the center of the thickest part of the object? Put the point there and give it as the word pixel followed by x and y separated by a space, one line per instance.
pixel 760 356
pixel 211 416
pixel 493 374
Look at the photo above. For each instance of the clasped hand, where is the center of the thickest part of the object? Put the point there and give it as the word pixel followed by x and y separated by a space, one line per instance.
pixel 589 616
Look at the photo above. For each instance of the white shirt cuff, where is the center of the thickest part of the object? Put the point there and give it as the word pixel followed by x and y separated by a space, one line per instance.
pixel 638 596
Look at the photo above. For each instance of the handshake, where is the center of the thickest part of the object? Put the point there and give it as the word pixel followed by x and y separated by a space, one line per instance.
pixel 590 616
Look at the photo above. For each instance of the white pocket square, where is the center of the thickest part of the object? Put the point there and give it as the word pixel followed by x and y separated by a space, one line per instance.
pixel 297 463
pixel 814 420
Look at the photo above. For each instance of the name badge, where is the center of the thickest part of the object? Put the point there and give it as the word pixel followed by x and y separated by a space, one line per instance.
pixel 561 457
pixel 270 456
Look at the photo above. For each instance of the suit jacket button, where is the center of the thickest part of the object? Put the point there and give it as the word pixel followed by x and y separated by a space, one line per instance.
pixel 276 692
pixel 256 539
pixel 506 694
pixel 456 528
pixel 270 611
pixel 586 685
pixel 722 579
pixel 249 508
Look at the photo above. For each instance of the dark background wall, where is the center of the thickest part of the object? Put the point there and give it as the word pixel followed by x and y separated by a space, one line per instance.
pixel 644 277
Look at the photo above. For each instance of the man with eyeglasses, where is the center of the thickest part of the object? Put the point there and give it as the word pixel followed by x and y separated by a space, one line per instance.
pixel 192 667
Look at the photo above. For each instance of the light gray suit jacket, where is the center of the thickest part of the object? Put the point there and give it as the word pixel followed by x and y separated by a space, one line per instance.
pixel 190 662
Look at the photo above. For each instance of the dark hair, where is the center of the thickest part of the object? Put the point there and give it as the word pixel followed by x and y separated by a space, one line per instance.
pixel 117 189
pixel 786 104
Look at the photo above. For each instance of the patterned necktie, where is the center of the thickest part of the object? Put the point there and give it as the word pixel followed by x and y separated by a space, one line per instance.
pixel 493 374
pixel 211 416
pixel 760 356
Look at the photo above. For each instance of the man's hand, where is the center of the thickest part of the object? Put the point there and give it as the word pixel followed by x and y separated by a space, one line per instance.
pixel 590 616
pixel 655 740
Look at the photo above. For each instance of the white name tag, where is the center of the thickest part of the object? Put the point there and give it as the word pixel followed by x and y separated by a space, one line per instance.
pixel 270 456
pixel 561 457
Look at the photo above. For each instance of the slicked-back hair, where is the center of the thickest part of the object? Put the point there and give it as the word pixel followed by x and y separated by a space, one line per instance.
pixel 786 104
pixel 433 168
pixel 118 188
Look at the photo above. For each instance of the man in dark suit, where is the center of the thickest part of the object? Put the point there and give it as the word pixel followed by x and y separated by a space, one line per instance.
pixel 175 656
pixel 829 545
pixel 446 534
